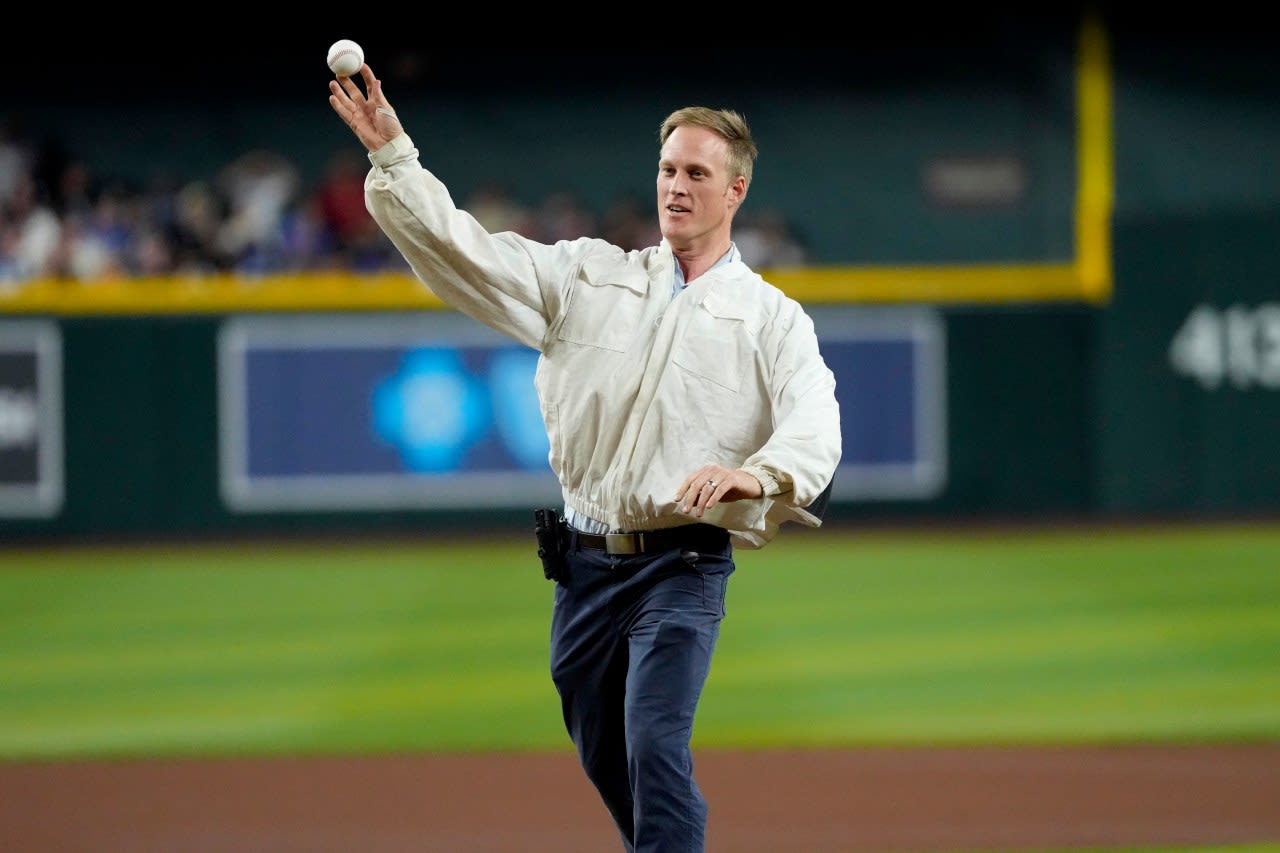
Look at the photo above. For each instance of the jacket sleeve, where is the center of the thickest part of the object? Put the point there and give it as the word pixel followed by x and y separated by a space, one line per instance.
pixel 505 281
pixel 797 463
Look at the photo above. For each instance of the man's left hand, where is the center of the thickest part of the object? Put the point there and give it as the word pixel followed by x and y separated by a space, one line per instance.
pixel 713 484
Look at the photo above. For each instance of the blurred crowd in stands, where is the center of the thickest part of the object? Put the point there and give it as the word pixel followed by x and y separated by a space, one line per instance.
pixel 61 218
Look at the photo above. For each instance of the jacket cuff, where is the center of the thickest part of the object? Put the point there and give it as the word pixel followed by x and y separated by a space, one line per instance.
pixel 768 482
pixel 397 149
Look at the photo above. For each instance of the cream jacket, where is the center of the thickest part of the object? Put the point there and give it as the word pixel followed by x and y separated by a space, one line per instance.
pixel 637 389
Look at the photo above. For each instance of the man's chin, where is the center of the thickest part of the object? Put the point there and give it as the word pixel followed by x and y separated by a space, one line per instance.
pixel 672 232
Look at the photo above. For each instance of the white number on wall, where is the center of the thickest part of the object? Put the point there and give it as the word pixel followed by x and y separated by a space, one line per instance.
pixel 1239 345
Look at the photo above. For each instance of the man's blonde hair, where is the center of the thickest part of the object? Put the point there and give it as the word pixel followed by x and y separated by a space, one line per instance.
pixel 728 124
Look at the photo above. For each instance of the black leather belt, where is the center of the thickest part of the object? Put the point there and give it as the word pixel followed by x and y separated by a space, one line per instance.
pixel 696 536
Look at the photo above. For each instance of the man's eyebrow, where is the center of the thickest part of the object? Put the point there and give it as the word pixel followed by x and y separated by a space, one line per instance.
pixel 697 165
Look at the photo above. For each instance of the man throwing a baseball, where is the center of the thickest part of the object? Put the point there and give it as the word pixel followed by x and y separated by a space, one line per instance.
pixel 689 412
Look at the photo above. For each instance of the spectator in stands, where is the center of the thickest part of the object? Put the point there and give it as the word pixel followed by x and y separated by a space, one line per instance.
pixel 259 187
pixel 340 199
pixel 193 233
pixel 563 215
pixel 29 233
pixel 629 223
pixel 767 242
pixel 496 209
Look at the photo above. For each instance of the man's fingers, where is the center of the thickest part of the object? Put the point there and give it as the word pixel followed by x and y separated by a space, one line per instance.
pixel 345 87
pixel 699 489
pixel 340 98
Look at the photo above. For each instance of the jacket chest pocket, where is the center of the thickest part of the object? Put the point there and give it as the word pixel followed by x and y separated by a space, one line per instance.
pixel 606 313
pixel 715 349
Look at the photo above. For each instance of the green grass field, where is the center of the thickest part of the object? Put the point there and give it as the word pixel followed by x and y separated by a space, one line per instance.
pixel 833 637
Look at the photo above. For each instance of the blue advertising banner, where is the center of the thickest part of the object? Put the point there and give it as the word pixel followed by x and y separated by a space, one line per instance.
pixel 377 412
pixel 891 381
pixel 433 410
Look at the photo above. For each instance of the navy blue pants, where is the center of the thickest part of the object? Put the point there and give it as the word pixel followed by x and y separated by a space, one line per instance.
pixel 631 645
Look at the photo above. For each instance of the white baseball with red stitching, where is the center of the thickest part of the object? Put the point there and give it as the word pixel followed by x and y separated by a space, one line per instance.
pixel 345 58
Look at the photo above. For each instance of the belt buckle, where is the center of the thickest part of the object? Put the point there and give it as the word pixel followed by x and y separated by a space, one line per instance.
pixel 621 543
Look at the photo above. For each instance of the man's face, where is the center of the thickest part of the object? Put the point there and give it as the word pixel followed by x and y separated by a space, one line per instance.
pixel 695 195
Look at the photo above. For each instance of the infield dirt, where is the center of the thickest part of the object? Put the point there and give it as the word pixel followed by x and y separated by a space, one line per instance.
pixel 911 799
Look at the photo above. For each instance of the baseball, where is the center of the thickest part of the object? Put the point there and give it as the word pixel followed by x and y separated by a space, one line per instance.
pixel 345 57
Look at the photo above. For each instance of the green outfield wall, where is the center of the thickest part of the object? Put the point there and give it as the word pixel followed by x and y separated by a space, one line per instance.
pixel 141 429
pixel 1188 367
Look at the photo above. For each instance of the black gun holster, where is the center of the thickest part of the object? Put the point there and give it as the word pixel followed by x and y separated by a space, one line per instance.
pixel 552 533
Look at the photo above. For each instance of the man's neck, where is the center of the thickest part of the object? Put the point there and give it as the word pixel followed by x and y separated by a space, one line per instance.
pixel 695 261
